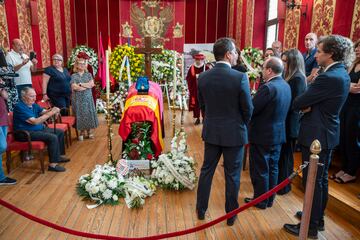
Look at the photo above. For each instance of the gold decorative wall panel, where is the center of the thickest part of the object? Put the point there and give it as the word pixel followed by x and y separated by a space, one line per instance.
pixel 249 22
pixel 355 26
pixel 67 11
pixel 292 25
pixel 44 34
pixel 23 13
pixel 238 22
pixel 323 17
pixel 4 38
pixel 57 26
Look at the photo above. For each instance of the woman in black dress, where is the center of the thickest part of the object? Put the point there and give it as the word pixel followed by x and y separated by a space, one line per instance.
pixel 350 126
pixel 294 68
pixel 56 84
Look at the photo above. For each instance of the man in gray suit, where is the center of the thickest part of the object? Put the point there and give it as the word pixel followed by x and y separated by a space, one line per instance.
pixel 224 95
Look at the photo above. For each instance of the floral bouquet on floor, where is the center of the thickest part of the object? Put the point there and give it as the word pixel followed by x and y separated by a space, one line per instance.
pixel 137 189
pixel 175 170
pixel 104 185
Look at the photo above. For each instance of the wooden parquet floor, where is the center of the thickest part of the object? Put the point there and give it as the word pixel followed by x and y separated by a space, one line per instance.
pixel 52 196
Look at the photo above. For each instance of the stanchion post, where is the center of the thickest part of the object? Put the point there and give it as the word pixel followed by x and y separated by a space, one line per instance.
pixel 315 149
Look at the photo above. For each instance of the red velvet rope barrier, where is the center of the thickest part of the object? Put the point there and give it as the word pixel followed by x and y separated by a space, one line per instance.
pixel 161 236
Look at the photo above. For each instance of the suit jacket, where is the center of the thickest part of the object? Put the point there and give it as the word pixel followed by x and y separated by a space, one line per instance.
pixel 224 95
pixel 326 96
pixel 271 105
pixel 298 86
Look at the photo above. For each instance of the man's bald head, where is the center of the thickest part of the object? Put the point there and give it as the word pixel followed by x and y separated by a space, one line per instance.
pixel 18 45
pixel 272 67
pixel 310 40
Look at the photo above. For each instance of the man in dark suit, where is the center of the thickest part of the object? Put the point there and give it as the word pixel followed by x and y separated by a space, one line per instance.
pixel 224 95
pixel 267 129
pixel 321 104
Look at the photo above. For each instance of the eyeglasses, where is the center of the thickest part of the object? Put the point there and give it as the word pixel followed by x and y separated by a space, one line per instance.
pixel 57 59
pixel 81 63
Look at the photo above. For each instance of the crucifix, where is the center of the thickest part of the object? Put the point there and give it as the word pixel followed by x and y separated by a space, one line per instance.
pixel 147 51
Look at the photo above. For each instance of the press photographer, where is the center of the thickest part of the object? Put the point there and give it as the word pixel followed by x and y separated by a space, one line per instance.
pixel 22 64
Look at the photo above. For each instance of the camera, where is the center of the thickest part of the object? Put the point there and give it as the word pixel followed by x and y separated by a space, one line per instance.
pixel 32 55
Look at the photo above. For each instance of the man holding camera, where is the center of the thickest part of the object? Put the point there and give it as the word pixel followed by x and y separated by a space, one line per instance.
pixel 22 64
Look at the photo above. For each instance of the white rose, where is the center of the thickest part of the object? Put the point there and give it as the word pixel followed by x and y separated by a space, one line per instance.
pixel 169 179
pixel 112 184
pixel 94 189
pixel 107 194
pixel 88 187
pixel 115 197
pixel 102 187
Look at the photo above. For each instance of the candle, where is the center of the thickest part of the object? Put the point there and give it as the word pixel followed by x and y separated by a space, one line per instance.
pixel 107 77
pixel 174 85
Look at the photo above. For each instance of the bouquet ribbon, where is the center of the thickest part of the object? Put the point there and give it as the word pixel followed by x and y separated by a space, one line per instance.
pixel 184 181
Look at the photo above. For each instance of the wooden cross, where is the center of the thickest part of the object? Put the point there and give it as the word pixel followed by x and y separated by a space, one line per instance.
pixel 147 51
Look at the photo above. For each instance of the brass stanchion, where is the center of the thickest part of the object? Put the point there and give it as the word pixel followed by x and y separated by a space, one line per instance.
pixel 315 149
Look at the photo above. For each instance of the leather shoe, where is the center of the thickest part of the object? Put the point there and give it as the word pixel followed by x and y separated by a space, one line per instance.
pixel 260 206
pixel 321 226
pixel 57 168
pixel 200 216
pixel 294 229
pixel 64 159
pixel 231 221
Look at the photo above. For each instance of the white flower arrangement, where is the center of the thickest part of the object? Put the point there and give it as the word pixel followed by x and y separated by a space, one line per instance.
pixel 93 58
pixel 104 185
pixel 137 189
pixel 175 170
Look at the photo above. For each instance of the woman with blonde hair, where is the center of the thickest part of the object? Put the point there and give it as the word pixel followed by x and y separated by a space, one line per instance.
pixel 82 102
pixel 294 69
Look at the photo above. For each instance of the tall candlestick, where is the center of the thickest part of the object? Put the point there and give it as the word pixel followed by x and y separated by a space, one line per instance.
pixel 107 77
pixel 174 95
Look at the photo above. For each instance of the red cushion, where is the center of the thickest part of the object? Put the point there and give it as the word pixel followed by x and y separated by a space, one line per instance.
pixel 20 146
pixel 68 119
pixel 62 126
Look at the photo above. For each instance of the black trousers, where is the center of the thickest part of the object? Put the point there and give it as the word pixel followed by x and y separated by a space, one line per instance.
pixel 321 184
pixel 350 139
pixel 264 170
pixel 60 101
pixel 286 163
pixel 54 141
pixel 233 157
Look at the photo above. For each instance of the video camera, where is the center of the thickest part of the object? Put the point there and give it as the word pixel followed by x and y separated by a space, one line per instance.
pixel 7 73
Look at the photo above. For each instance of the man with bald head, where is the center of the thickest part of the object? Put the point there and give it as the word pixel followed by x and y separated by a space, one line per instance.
pixel 21 64
pixel 267 129
pixel 311 66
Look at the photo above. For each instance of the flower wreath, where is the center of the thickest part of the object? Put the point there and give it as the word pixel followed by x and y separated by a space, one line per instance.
pixel 252 58
pixel 93 58
pixel 136 62
pixel 162 66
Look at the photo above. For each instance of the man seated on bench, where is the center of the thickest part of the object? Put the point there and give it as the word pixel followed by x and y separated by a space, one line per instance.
pixel 30 116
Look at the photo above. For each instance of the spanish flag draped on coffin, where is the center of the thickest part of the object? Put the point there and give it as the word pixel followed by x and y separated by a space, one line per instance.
pixel 144 107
